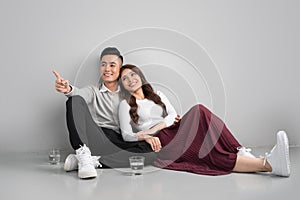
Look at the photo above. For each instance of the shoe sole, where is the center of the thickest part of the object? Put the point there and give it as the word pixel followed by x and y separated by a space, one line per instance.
pixel 87 175
pixel 283 145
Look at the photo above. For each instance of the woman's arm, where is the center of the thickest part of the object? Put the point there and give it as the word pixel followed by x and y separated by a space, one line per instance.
pixel 169 119
pixel 126 128
pixel 171 112
pixel 125 125
pixel 153 130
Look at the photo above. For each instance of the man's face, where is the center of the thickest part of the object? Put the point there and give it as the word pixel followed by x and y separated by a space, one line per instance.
pixel 110 68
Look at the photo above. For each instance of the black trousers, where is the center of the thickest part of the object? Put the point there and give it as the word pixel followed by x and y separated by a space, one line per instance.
pixel 104 142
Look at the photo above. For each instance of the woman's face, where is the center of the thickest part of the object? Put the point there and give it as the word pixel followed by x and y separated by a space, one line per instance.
pixel 131 80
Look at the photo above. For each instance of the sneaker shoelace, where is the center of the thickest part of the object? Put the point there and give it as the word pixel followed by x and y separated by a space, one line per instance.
pixel 96 161
pixel 85 158
pixel 265 158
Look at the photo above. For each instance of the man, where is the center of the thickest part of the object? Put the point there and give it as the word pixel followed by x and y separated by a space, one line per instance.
pixel 93 123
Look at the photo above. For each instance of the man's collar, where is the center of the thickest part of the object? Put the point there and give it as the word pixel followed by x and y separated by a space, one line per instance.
pixel 103 88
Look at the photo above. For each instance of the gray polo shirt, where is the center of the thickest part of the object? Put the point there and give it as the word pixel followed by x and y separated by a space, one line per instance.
pixel 102 103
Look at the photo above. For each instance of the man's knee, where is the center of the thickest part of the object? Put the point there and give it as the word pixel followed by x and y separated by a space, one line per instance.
pixel 74 101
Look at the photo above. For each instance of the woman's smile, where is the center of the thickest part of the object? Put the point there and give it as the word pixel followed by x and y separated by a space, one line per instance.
pixel 132 84
pixel 131 80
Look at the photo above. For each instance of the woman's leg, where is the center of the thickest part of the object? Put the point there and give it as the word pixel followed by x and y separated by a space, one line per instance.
pixel 200 139
pixel 246 164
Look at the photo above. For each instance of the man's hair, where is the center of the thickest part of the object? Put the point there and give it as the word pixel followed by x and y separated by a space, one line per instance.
pixel 111 51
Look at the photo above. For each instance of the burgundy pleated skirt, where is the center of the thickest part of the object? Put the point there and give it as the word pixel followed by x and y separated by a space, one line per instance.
pixel 200 143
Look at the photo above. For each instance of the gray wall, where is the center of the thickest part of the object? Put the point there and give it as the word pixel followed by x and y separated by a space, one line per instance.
pixel 238 57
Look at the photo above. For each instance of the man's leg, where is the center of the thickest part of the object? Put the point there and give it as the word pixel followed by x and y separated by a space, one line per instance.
pixel 83 129
pixel 121 158
pixel 108 144
pixel 126 149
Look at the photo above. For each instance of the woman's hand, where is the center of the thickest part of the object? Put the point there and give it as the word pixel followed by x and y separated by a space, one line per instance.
pixel 154 143
pixel 177 119
pixel 141 135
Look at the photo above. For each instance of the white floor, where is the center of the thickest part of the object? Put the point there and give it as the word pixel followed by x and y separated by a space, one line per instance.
pixel 32 177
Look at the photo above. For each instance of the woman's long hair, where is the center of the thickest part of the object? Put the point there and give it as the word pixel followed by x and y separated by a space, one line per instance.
pixel 147 90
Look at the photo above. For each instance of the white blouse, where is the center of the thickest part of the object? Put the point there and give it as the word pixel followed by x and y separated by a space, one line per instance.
pixel 149 113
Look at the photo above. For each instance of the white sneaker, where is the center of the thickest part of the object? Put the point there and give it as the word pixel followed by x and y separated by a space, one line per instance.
pixel 243 151
pixel 279 158
pixel 71 162
pixel 86 168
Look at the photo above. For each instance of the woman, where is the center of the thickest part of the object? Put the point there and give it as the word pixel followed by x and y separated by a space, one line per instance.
pixel 198 143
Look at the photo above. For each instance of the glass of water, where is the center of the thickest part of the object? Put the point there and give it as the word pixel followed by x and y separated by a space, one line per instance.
pixel 54 156
pixel 137 164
